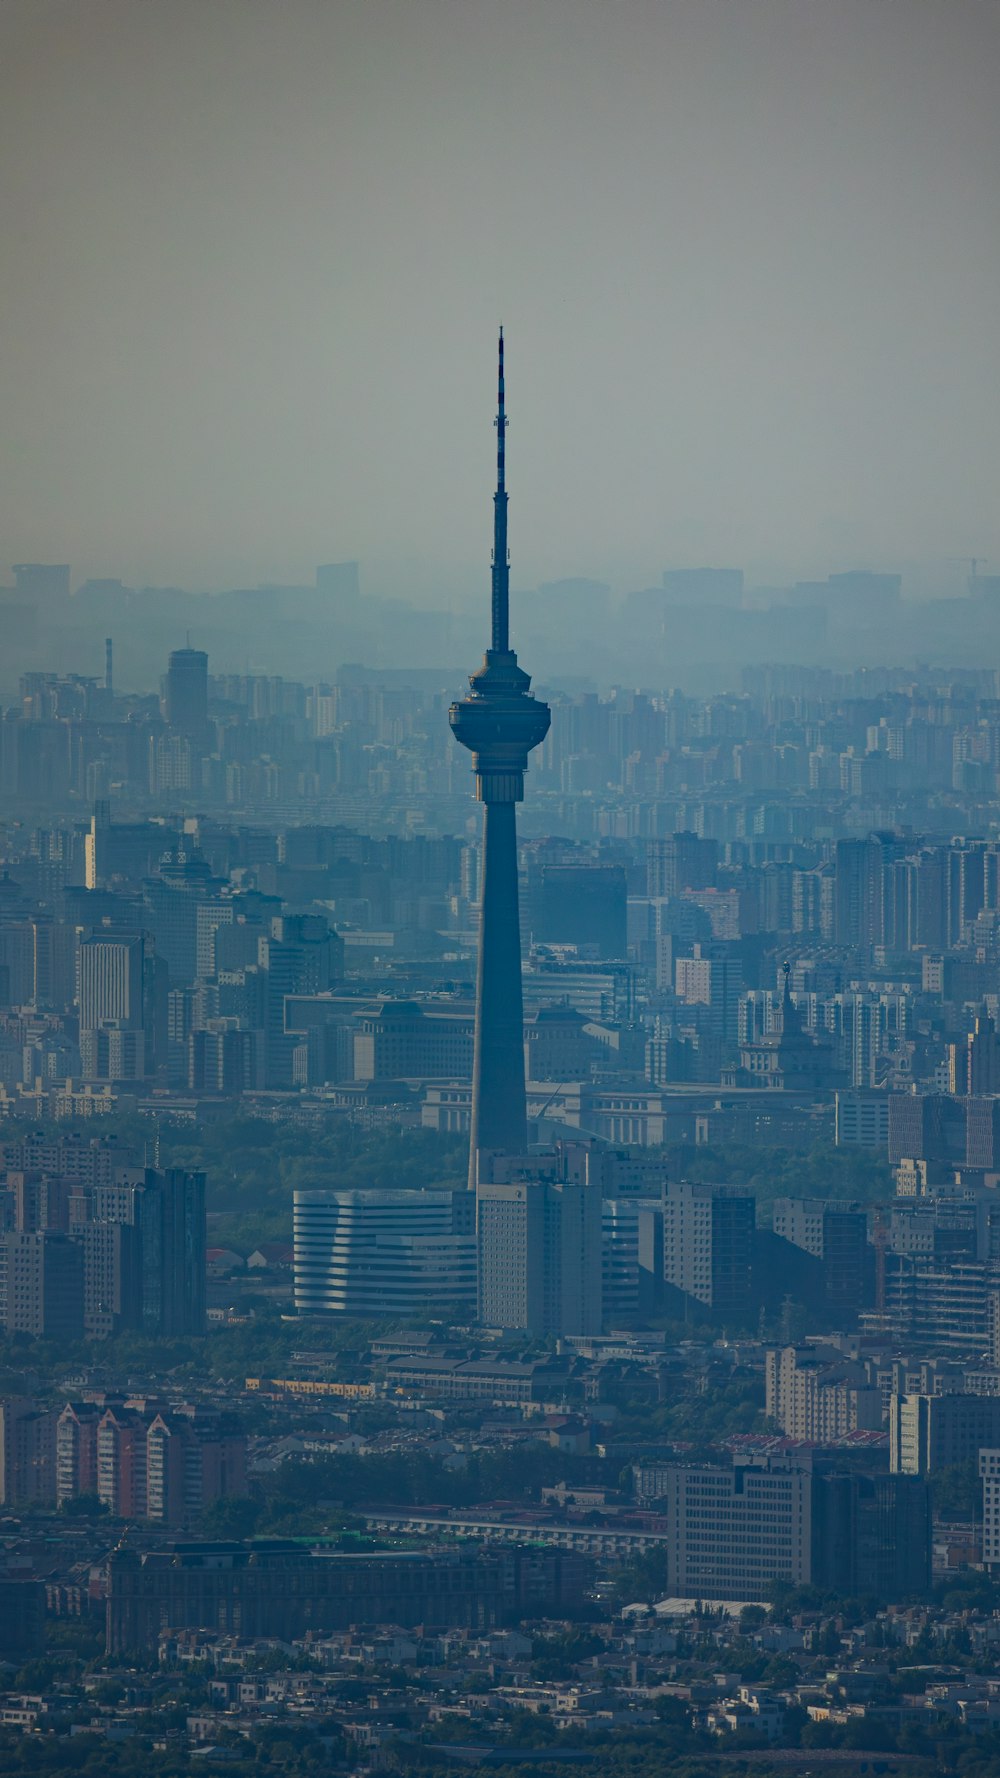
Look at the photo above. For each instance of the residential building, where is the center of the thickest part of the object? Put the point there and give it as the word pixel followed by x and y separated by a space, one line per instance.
pixel 816 1394
pixel 27 1453
pixel 41 1285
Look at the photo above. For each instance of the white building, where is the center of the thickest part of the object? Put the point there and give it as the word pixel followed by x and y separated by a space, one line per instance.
pixel 387 1253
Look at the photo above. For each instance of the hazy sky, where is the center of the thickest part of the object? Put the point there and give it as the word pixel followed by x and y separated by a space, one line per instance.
pixel 746 252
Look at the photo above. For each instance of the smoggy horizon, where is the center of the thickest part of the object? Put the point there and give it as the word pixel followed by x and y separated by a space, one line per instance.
pixel 746 259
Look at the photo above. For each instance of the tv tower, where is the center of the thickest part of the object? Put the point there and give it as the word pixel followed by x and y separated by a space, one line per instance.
pixel 500 722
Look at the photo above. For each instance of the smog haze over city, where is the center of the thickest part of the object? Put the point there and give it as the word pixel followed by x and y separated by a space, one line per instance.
pixel 499 888
pixel 748 258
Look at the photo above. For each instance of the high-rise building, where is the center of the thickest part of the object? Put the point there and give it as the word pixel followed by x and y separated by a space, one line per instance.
pixel 836 1234
pixel 41 1285
pixel 118 980
pixel 974 1066
pixel 539 1227
pixel 45 582
pixel 163 1290
pixel 739 1530
pixel 736 1531
pixel 300 956
pixel 396 1253
pixel 340 582
pixel 708 1243
pixel 76 1450
pixel 584 905
pixel 678 862
pixel 185 692
pixel 27 1452
pixel 500 723
pixel 703 586
pixel 121 1462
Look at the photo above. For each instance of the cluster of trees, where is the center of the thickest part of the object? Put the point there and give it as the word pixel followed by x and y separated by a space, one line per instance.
pixel 253 1166
pixel 692 1415
pixel 843 1174
pixel 326 1494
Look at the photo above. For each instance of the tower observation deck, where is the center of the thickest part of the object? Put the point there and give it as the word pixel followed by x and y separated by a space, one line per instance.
pixel 500 722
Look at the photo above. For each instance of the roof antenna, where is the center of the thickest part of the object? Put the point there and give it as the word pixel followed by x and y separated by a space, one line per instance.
pixel 501 559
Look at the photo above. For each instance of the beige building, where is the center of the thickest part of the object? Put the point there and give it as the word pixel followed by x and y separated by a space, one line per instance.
pixel 814 1393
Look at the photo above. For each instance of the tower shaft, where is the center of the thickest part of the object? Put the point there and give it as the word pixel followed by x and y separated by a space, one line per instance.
pixel 499 1111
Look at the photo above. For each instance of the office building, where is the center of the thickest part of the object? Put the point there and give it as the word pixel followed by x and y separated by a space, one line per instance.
pixel 926 1127
pixel 871 1534
pixel 185 693
pixel 583 905
pixel 708 1243
pixel 118 980
pixel 974 1066
pixel 500 723
pixel 162 1290
pixel 861 1118
pixel 931 1432
pixel 387 1253
pixel 627 1287
pixel 738 1531
pixel 539 1234
pixel 836 1235
pixel 405 1041
pixel 280 1590
pixel 299 955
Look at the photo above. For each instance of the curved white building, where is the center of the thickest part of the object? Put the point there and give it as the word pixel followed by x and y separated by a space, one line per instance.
pixel 387 1253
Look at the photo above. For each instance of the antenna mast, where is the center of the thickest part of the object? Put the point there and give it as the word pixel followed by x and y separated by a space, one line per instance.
pixel 501 560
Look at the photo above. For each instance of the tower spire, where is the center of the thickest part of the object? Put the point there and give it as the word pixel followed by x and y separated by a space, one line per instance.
pixel 500 642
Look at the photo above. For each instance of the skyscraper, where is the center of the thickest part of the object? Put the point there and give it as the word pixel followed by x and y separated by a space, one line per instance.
pixel 185 701
pixel 500 723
